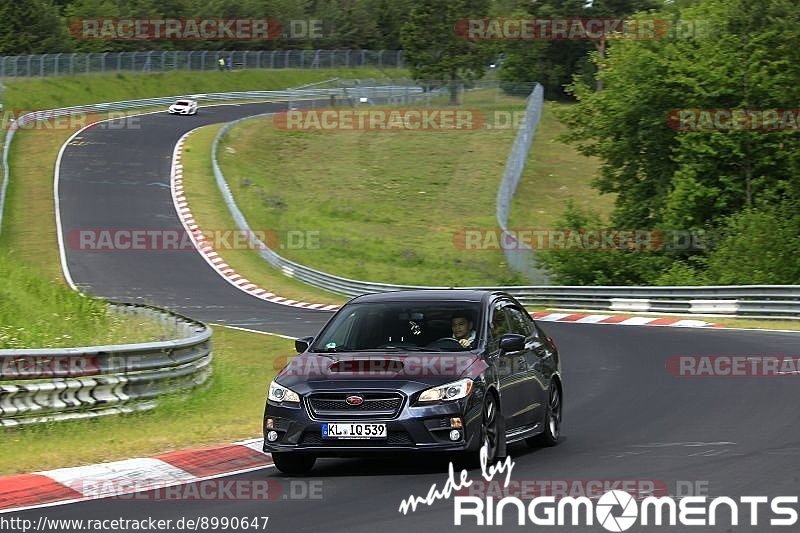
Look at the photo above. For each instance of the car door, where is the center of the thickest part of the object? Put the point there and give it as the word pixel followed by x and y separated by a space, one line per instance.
pixel 536 380
pixel 512 368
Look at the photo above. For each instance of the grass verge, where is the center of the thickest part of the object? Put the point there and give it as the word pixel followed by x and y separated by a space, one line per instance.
pixel 45 314
pixel 555 174
pixel 209 211
pixel 37 308
pixel 386 206
pixel 228 408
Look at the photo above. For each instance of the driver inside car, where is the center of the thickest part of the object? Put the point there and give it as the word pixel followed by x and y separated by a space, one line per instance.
pixel 461 324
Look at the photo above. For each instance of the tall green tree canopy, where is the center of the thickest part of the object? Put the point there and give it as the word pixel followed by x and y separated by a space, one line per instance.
pixel 435 51
pixel 727 180
pixel 31 27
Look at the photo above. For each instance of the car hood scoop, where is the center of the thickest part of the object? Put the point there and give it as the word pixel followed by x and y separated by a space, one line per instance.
pixel 423 367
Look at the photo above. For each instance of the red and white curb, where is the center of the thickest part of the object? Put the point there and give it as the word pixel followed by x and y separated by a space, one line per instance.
pixel 584 318
pixel 207 250
pixel 81 483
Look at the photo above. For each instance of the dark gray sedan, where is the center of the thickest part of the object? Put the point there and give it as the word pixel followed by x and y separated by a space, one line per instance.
pixel 425 371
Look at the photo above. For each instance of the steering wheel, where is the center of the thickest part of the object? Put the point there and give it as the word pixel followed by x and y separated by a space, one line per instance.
pixel 444 342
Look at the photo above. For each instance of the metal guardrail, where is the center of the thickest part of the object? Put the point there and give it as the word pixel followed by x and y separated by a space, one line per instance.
pixel 753 301
pixel 69 64
pixel 519 255
pixel 40 385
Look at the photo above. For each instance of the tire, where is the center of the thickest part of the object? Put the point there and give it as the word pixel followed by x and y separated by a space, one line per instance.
pixel 293 464
pixel 552 426
pixel 490 428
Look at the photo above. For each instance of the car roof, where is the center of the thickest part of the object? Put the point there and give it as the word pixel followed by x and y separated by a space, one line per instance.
pixel 464 295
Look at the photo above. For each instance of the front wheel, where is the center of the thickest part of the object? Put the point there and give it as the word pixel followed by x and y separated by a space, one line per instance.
pixel 490 429
pixel 293 464
pixel 552 427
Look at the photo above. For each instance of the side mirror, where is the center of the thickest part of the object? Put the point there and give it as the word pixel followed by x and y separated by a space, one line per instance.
pixel 302 344
pixel 512 342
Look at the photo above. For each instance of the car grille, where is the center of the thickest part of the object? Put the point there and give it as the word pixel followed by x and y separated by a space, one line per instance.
pixel 376 405
pixel 393 438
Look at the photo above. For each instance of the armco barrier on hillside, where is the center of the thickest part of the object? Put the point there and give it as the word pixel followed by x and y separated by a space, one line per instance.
pixel 51 384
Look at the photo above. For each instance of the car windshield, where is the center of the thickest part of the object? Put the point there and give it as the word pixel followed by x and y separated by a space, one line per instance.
pixel 182 102
pixel 401 326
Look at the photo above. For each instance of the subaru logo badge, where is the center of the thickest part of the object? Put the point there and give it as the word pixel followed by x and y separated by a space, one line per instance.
pixel 354 400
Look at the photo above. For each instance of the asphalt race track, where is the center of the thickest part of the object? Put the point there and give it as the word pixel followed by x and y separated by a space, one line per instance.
pixel 626 416
pixel 118 178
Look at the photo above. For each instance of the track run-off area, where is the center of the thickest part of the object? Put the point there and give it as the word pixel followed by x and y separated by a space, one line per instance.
pixel 628 416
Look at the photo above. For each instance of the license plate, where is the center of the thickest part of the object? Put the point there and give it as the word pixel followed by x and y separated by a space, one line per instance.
pixel 354 430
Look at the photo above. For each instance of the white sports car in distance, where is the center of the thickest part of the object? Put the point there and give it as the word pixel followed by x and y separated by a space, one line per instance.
pixel 183 107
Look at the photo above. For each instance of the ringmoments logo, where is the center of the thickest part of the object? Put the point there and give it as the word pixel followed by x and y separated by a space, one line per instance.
pixel 618 510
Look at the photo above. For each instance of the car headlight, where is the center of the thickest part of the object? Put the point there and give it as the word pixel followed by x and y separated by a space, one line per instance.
pixel 451 391
pixel 279 393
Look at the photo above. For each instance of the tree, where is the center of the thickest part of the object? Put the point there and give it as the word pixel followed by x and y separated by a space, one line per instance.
pixel 31 27
pixel 554 64
pixel 747 59
pixel 435 52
